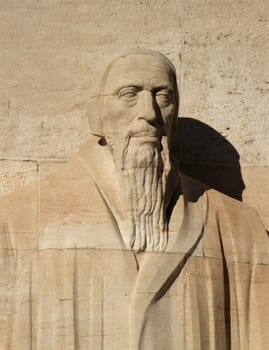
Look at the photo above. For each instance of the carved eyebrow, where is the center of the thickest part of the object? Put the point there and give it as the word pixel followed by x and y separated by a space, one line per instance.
pixel 167 86
pixel 127 86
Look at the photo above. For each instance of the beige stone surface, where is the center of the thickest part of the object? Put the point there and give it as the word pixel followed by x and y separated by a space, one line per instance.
pixel 256 194
pixel 247 183
pixel 19 219
pixel 224 75
pixel 19 209
pixel 16 291
pixel 117 248
pixel 44 93
pixel 69 279
pixel 49 50
pixel 16 174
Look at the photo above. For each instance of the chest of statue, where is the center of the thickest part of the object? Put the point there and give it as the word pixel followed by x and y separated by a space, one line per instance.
pixel 99 299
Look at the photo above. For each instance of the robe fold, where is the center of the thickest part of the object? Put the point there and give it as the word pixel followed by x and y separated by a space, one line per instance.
pixel 69 282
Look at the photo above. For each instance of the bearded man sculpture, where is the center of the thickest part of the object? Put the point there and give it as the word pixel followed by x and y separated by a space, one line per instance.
pixel 124 251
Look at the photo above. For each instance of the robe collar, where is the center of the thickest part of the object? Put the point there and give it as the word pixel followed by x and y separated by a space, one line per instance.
pixel 156 271
pixel 188 215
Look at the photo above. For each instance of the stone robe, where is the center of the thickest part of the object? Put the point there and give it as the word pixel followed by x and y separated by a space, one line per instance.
pixel 68 281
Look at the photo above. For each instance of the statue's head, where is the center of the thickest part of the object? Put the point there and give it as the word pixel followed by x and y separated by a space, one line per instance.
pixel 133 110
pixel 135 93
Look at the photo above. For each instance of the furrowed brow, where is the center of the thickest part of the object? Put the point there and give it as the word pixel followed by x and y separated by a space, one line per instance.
pixel 167 86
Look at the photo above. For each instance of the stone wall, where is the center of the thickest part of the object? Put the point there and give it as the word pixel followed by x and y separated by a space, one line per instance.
pixel 50 48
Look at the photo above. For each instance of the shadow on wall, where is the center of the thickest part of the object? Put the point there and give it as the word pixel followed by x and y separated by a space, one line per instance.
pixel 208 157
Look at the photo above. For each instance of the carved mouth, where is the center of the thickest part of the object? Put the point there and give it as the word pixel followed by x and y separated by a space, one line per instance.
pixel 147 137
pixel 146 133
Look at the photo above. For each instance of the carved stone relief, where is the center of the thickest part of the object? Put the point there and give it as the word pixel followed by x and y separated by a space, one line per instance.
pixel 121 250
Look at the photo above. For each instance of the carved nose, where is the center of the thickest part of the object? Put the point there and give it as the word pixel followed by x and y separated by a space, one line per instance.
pixel 148 108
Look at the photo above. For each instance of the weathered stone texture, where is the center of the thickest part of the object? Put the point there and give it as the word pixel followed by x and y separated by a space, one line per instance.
pixel 65 272
pixel 49 51
pixel 16 174
pixel 256 194
pixel 225 72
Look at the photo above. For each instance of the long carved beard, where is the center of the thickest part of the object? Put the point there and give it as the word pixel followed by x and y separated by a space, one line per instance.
pixel 145 166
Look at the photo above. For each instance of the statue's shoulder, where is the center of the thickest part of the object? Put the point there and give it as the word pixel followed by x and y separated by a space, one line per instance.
pixel 73 211
pixel 218 202
pixel 232 207
pixel 242 232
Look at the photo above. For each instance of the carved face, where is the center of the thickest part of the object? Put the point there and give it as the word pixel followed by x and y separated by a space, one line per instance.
pixel 139 99
pixel 139 105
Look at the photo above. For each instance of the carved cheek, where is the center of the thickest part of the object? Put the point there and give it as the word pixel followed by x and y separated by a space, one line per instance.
pixel 111 109
pixel 119 114
pixel 124 116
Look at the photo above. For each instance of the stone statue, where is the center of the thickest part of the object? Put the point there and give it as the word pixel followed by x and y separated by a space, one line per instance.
pixel 119 250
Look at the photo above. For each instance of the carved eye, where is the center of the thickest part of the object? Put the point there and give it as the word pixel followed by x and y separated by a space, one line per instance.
pixel 128 93
pixel 163 98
